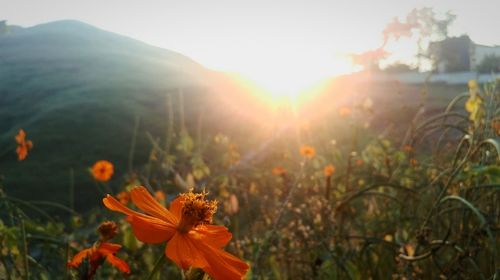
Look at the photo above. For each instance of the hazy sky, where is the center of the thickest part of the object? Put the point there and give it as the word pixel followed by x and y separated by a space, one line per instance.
pixel 254 37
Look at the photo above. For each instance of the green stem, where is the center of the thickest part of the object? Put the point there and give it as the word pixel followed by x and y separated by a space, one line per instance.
pixel 159 263
pixel 25 251
pixel 72 189
pixel 132 146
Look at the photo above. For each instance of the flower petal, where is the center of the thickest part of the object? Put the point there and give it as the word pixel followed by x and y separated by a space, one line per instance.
pixel 221 264
pixel 144 201
pixel 190 250
pixel 151 230
pixel 176 207
pixel 114 205
pixel 78 258
pixel 182 250
pixel 109 248
pixel 118 263
pixel 215 236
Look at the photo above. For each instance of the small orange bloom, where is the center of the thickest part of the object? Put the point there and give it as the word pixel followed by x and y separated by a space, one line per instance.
pixel 191 239
pixel 101 250
pixel 96 254
pixel 360 162
pixel 329 170
pixel 23 146
pixel 160 196
pixel 409 249
pixel 408 148
pixel 102 170
pixel 279 171
pixel 123 197
pixel 307 151
pixel 20 137
pixel 344 111
pixel 413 162
pixel 495 125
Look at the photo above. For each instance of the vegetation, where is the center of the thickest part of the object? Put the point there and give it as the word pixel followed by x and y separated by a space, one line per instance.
pixel 355 207
pixel 360 181
pixel 490 64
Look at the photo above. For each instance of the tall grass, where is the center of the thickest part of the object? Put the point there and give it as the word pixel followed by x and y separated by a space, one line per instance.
pixel 423 206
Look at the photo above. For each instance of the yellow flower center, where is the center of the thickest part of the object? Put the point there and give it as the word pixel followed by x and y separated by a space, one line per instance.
pixel 195 211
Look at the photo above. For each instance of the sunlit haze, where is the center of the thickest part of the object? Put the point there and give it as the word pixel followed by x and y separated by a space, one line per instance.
pixel 282 45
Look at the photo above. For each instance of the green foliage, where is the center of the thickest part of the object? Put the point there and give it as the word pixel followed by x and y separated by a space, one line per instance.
pixel 452 53
pixel 419 205
pixel 489 64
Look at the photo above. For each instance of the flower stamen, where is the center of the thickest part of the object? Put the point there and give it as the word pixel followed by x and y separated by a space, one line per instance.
pixel 195 210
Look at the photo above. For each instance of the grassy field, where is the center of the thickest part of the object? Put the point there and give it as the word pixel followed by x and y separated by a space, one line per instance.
pixel 357 180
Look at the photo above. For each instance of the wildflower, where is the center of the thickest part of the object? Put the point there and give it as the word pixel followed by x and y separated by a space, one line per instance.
pixel 191 240
pixel 413 162
pixel 279 171
pixel 408 148
pixel 344 111
pixel 21 136
pixel 409 250
pixel 472 85
pixel 107 230
pixel 474 104
pixel 101 250
pixel 96 254
pixel 307 151
pixel 368 104
pixel 359 162
pixel 231 205
pixel 123 197
pixel 22 145
pixel 102 170
pixel 328 170
pixel 160 196
pixel 495 125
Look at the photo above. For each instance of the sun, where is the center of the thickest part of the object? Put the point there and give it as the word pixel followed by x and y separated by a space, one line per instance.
pixel 280 80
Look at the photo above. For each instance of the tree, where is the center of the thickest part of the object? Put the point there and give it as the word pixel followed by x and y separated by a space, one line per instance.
pixel 451 54
pixel 490 64
pixel 423 24
pixel 399 68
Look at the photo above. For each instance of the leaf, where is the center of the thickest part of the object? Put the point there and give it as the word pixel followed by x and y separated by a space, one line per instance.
pixel 186 143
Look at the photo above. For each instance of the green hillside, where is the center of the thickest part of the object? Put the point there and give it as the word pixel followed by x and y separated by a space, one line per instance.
pixel 77 91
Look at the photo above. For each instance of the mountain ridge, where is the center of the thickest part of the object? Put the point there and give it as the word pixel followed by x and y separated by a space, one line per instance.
pixel 77 91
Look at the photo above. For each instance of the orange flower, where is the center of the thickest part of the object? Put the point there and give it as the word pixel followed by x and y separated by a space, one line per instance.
pixel 495 125
pixel 408 148
pixel 20 137
pixel 191 240
pixel 95 255
pixel 307 151
pixel 413 162
pixel 360 162
pixel 279 171
pixel 101 250
pixel 23 145
pixel 123 197
pixel 102 170
pixel 328 170
pixel 160 196
pixel 344 111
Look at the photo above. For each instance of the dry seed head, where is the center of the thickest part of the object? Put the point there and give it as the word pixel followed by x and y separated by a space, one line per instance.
pixel 107 230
